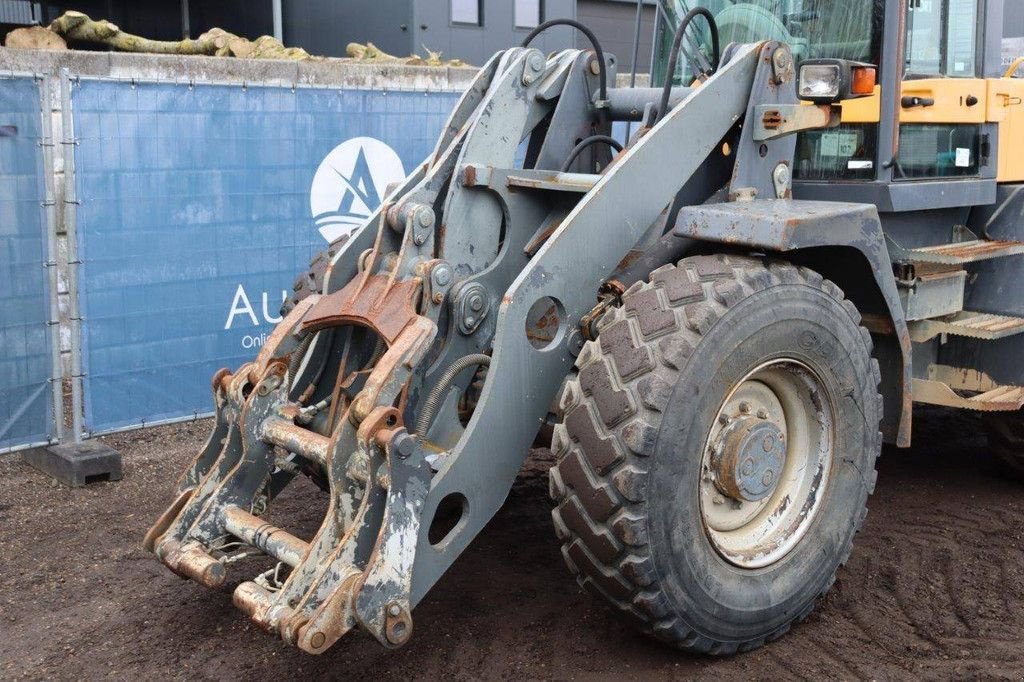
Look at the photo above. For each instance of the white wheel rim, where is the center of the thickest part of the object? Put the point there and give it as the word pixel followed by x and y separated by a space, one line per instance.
pixel 766 462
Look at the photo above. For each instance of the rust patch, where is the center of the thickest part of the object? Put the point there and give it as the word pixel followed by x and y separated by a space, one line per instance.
pixel 383 306
pixel 772 120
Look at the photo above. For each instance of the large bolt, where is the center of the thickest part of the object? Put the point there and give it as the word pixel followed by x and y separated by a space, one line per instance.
pixel 476 302
pixel 443 275
pixel 404 447
pixel 317 640
pixel 395 610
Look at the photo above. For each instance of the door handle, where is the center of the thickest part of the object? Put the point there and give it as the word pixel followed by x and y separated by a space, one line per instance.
pixel 911 102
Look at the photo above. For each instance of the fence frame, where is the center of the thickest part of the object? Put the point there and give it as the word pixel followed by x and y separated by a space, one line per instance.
pixel 71 201
pixel 51 263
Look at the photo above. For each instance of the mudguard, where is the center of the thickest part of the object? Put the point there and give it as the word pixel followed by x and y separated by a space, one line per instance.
pixel 787 226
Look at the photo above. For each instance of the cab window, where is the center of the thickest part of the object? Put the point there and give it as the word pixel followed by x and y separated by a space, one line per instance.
pixel 942 38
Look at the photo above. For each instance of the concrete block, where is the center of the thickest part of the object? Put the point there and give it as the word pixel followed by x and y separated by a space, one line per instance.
pixel 77 464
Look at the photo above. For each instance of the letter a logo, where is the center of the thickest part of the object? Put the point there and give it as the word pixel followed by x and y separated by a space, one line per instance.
pixel 350 183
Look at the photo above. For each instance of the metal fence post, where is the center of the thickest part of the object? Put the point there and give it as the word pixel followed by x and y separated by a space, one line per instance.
pixel 71 232
pixel 49 202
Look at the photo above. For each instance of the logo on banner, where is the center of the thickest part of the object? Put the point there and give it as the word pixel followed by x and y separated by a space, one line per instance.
pixel 347 188
pixel 350 184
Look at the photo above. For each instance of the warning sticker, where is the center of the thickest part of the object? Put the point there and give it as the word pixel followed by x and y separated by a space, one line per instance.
pixel 839 143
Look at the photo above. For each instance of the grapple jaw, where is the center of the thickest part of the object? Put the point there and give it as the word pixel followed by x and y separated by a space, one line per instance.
pixel 357 567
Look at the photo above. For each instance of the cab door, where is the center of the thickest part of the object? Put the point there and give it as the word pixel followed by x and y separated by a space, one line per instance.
pixel 943 106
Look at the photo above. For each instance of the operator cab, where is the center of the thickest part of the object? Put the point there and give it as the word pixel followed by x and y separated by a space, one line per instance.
pixel 902 147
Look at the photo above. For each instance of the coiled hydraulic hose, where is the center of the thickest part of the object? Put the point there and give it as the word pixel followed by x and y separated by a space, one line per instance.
pixel 592 140
pixel 295 361
pixel 436 397
pixel 677 43
pixel 590 36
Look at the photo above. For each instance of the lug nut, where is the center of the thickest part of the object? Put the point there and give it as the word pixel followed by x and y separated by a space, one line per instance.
pixel 745 407
pixel 762 414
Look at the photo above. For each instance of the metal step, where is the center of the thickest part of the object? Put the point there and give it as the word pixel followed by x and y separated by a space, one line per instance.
pixel 961 253
pixel 968 324
pixel 998 399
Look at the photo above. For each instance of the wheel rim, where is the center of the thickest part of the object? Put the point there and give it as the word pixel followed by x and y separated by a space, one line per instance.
pixel 766 463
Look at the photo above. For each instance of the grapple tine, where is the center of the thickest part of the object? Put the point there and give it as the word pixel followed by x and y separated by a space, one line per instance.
pixel 211 450
pixel 383 604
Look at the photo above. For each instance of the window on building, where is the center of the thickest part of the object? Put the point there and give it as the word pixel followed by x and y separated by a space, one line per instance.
pixel 529 13
pixel 468 12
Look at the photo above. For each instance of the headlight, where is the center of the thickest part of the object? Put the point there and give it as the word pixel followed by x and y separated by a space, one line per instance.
pixel 825 81
pixel 820 82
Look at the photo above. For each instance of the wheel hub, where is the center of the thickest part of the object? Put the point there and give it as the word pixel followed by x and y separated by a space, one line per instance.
pixel 750 454
pixel 766 463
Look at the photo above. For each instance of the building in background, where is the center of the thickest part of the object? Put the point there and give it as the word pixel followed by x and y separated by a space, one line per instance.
pixel 614 23
pixel 471 30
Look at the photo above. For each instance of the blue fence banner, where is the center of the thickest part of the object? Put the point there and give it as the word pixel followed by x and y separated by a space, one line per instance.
pixel 25 362
pixel 199 205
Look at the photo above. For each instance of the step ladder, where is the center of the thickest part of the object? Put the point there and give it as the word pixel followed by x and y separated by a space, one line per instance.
pixel 967 389
pixel 972 325
pixel 961 253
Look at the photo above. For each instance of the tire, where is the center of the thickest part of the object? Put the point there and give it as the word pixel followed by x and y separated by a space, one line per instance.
pixel 628 479
pixel 1006 439
pixel 312 280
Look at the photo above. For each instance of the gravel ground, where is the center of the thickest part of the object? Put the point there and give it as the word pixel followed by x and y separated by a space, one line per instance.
pixel 934 589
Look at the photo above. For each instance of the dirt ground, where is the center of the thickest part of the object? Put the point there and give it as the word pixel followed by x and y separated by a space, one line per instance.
pixel 934 589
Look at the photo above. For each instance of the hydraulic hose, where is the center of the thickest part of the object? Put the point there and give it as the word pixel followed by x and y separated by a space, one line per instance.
pixel 437 395
pixel 677 43
pixel 590 36
pixel 590 141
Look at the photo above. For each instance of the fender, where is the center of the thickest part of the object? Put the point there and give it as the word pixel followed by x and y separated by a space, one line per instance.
pixel 799 227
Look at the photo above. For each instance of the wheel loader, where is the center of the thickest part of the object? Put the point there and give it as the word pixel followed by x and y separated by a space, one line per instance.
pixel 815 222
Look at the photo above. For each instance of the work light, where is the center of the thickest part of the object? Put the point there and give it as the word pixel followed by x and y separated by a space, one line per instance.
pixel 825 81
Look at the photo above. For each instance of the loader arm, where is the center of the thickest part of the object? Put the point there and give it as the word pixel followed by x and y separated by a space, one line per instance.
pixel 472 262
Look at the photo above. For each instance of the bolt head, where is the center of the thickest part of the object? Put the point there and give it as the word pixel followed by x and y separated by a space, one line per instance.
pixel 718 499
pixel 419 239
pixel 443 275
pixel 438 297
pixel 395 610
pixel 762 414
pixel 745 407
pixel 476 303
pixel 723 419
